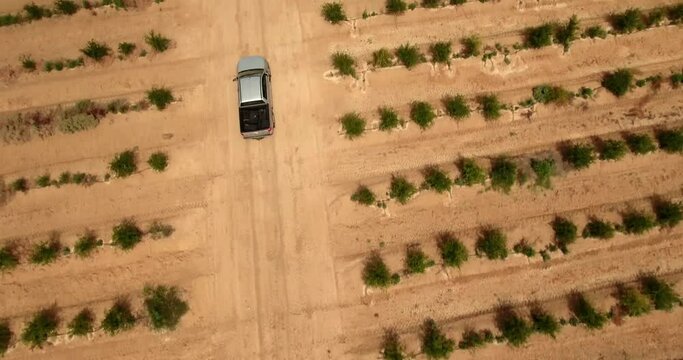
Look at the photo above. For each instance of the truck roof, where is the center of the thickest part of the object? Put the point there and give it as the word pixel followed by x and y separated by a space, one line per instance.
pixel 250 88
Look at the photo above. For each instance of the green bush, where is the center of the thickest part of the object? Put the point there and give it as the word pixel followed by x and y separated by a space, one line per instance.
pixel 456 106
pixel 618 82
pixel 546 94
pixel 540 36
pixel 382 58
pixel 586 313
pixel 364 196
pixel 126 235
pixel 409 55
pixel 503 175
pixel 598 229
pixel 392 349
pixel 82 324
pixel 126 48
pixel 434 343
pixel 353 125
pixel 36 12
pixel 160 230
pixel 470 173
pixel 471 46
pixel 28 63
pixel 160 97
pixel 660 293
pixel 585 93
pixel 632 302
pixel 118 106
pixel 64 178
pixel 453 252
pixel 544 170
pixel 675 13
pixel 523 248
pixel 628 21
pixel 376 273
pixel 20 184
pixel 492 243
pixel 45 252
pixel 77 122
pixel 612 150
pixel 388 119
pixel 579 156
pixel 158 161
pixel 441 52
pixel 514 328
pixel 475 339
pixel 396 6
pixel 656 16
pixel 118 318
pixel 84 179
pixel 671 141
pixel 124 164
pixel 436 179
pixel 333 12
pixel 422 113
pixel 164 307
pixel 10 19
pixel 344 63
pixel 596 31
pixel 544 322
pixel 490 106
pixel 157 42
pixel 566 34
pixel 460 2
pixel 43 181
pixel 66 7
pixel 416 261
pixel 676 80
pixel 5 337
pixel 42 326
pixel 669 214
pixel 565 233
pixel 637 223
pixel 641 144
pixel 401 189
pixel 96 50
pixel 431 3
pixel 8 258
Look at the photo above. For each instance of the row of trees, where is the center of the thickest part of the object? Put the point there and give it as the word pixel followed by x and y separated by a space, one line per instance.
pixel 163 305
pixel 33 12
pixel 125 236
pixel 515 328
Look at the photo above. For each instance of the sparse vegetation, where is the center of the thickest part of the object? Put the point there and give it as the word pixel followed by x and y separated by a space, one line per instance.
pixel 376 273
pixel 613 150
pixel 160 97
pixel 470 173
pixel 158 161
pixel 10 19
pixel 388 119
pixel 392 349
pixel 36 12
pixel 45 252
pixel 596 31
pixel 675 13
pixel 344 63
pixel 353 125
pixel 416 261
pixel 66 7
pixel 96 50
pixel 157 42
pixel 8 258
pixel 126 235
pixel 566 34
pixel 435 344
pixel 598 229
pixel 456 106
pixel 619 82
pixel 396 7
pixel 401 189
pixel 641 144
pixel 431 3
pixel 422 113
pixel 565 233
pixel 669 214
pixel 126 49
pixel 6 336
pixel 82 323
pixel 586 313
pixel 538 37
pixel 490 106
pixel 453 252
pixel 86 244
pixel 77 122
pixel 492 243
pixel 437 179
pixel 42 326
pixel 333 12
pixel 471 46
pixel 544 170
pixel 579 156
pixel 544 322
pixel 159 230
pixel 409 55
pixel 546 94
pixel 633 302
pixel 660 293
pixel 164 307
pixel 124 164
pixel 472 339
pixel 503 175
pixel 363 195
pixel 118 318
pixel 637 223
pixel 28 63
pixel 514 328
pixel 523 248
pixel 382 58
pixel 441 52
pixel 671 141
pixel 628 21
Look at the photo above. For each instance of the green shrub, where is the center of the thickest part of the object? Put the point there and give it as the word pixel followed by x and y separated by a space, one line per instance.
pixel 382 58
pixel 353 125
pixel 660 293
pixel 96 50
pixel 6 336
pixel 126 235
pixel 540 36
pixel 675 13
pixel 84 179
pixel 546 94
pixel 73 63
pixel 579 156
pixel 9 19
pixel 160 97
pixel 45 252
pixel 503 175
pixel 453 252
pixel 64 178
pixel 456 106
pixel 656 16
pixel 409 55
pixel 401 189
pixel 364 196
pixel 20 184
pixel 585 93
pixel 43 181
pixel 36 12
pixel 544 170
pixel 669 214
pixel 641 144
pixel 633 302
pixel 596 31
pixel 164 307
pixel 422 113
pixel 613 150
pixel 86 244
pixel 118 106
pixel 42 326
pixel 158 161
pixel 475 339
pixel 376 273
pixel 8 258
pixel 471 46
pixel 544 322
pixel 434 343
pixel 586 313
pixel 628 21
pixel 637 223
pixel 514 328
pixel 28 63
pixel 392 349
pixel 333 12
pixel 157 42
pixel 388 119
pixel 118 318
pixel 523 248
pixel 416 261
pixel 598 229
pixel 437 180
pixel 566 34
pixel 344 63
pixel 77 122
pixel 396 6
pixel 676 80
pixel 66 7
pixel 160 230
pixel 124 164
pixel 565 233
pixel 618 82
pixel 82 324
pixel 441 52
pixel 431 3
pixel 126 48
pixel 470 173
pixel 671 141
pixel 490 106
pixel 117 4
pixel 492 243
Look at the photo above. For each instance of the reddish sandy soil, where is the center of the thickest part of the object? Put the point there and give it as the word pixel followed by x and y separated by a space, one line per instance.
pixel 268 249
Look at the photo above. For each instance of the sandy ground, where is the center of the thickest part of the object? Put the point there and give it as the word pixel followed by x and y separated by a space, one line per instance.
pixel 268 248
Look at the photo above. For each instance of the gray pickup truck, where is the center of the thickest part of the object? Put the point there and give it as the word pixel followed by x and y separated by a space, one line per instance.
pixel 255 98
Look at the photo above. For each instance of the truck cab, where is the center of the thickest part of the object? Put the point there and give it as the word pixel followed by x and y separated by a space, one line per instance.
pixel 254 98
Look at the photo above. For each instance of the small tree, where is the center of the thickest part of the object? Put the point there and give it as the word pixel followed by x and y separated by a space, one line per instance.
pixel 124 164
pixel 566 34
pixel 441 52
pixel 388 119
pixel 392 349
pixel 472 339
pixel 618 82
pixel 396 7
pixel 401 189
pixel 382 58
pixel 471 46
pixel 344 63
pixel 492 243
pixel 86 244
pixel 6 336
pixel 538 37
pixel 158 230
pixel 364 196
pixel 422 113
pixel 456 106
pixel 353 125
pixel 409 55
pixel 514 328
pixel 596 31
pixel 629 21
pixel 96 50
pixel 437 180
pixel 333 12
pixel 42 326
pixel 126 49
pixel 613 150
pixel 66 7
pixel 434 343
pixel 669 213
pixel 544 322
pixel 598 229
pixel 126 235
pixel 579 156
pixel 565 233
pixel 586 313
pixel 416 261
pixel 660 293
pixel 453 251
pixel 8 258
pixel 470 173
pixel 641 144
pixel 637 222
pixel 160 97
pixel 632 302
pixel 675 13
pixel 20 184
pixel 82 324
pixel 45 252
pixel 164 307
pixel 158 161
pixel 43 181
pixel 376 273
pixel 490 106
pixel 157 42
pixel 503 175
pixel 544 170
pixel 671 141
pixel 118 318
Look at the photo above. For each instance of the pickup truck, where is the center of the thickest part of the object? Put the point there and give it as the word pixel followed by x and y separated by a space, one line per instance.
pixel 254 98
